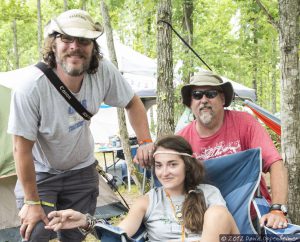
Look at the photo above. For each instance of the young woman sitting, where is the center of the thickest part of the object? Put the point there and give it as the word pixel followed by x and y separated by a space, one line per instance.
pixel 183 209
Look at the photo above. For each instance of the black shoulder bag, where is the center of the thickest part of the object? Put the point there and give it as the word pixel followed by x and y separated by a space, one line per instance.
pixel 64 91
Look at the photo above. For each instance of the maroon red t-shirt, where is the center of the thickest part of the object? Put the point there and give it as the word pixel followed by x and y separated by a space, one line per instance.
pixel 240 131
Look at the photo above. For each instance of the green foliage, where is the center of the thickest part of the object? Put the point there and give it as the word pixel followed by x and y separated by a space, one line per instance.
pixel 233 36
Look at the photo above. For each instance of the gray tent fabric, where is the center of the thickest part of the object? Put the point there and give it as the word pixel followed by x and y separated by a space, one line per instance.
pixel 7 167
pixel 8 209
pixel 108 204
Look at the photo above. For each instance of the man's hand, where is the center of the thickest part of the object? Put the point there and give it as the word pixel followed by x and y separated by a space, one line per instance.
pixel 30 215
pixel 274 221
pixel 144 155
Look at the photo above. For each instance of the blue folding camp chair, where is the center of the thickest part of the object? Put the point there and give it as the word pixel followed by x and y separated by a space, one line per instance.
pixel 237 176
pixel 110 233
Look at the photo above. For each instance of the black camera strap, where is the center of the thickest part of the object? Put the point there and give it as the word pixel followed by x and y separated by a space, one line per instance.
pixel 64 91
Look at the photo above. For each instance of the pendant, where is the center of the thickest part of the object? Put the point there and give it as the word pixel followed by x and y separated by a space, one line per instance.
pixel 178 214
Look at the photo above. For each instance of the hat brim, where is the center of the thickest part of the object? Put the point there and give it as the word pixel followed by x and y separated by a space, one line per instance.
pixel 53 27
pixel 226 87
pixel 84 33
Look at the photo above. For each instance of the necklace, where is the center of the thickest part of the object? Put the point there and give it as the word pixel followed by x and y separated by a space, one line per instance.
pixel 178 216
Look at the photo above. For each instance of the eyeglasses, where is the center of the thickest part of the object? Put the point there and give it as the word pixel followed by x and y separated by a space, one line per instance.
pixel 210 94
pixel 70 39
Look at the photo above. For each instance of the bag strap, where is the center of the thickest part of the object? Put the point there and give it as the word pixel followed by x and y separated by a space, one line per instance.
pixel 64 91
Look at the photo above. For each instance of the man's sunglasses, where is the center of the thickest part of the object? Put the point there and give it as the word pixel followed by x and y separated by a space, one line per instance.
pixel 197 94
pixel 70 39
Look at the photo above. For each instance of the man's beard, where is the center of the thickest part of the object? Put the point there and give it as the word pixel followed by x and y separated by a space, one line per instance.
pixel 206 117
pixel 69 68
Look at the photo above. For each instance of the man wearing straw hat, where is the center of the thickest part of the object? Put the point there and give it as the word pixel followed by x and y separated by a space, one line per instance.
pixel 217 132
pixel 53 145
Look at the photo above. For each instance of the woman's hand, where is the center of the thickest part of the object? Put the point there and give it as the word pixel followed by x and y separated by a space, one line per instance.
pixel 66 219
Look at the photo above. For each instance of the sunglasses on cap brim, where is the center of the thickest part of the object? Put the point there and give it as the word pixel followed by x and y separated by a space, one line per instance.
pixel 198 94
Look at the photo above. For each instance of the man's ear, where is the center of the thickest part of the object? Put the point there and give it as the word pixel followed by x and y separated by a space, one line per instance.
pixel 223 98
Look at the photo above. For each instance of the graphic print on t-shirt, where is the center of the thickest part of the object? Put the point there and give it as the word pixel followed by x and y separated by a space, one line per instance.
pixel 75 119
pixel 220 149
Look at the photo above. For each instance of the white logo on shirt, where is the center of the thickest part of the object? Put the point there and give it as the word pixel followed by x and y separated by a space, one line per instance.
pixel 220 149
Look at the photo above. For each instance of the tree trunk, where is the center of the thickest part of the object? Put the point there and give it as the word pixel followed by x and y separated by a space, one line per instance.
pixel 121 114
pixel 254 64
pixel 83 6
pixel 39 15
pixel 274 80
pixel 65 5
pixel 187 25
pixel 290 100
pixel 152 123
pixel 16 49
pixel 165 91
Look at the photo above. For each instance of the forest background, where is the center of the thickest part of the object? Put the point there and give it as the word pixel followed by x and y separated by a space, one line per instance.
pixel 235 37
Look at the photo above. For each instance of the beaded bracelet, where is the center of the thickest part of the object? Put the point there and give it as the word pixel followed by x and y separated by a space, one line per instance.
pixel 90 221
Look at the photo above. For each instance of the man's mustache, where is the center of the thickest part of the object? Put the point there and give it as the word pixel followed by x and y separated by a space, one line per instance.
pixel 205 106
pixel 75 53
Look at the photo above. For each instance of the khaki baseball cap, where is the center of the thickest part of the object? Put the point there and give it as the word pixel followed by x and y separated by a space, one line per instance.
pixel 75 22
pixel 207 79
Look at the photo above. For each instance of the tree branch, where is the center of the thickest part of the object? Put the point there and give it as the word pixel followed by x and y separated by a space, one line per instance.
pixel 270 17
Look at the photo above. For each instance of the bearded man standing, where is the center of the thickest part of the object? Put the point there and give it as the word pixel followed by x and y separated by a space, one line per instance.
pixel 53 145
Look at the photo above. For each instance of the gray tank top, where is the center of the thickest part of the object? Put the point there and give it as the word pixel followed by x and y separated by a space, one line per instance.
pixel 160 221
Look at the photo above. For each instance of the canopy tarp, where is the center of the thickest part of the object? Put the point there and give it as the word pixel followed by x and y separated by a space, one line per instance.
pixel 265 116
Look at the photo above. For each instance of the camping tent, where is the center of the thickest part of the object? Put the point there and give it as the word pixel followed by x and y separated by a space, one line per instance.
pixel 138 69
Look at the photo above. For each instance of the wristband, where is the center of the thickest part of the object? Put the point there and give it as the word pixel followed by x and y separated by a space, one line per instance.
pixel 145 141
pixel 48 204
pixel 28 202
